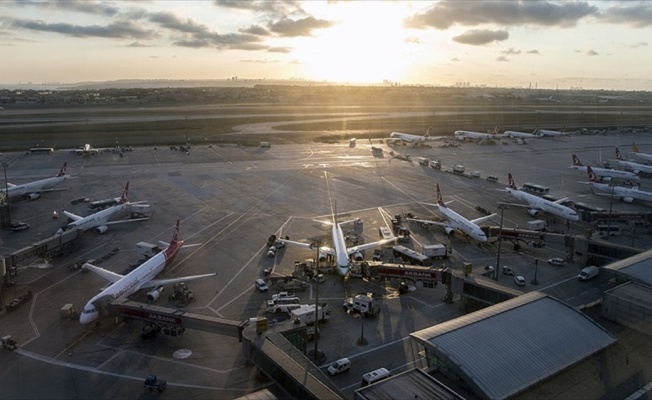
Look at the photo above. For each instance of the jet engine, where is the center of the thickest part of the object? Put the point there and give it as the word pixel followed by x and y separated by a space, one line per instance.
pixel 628 199
pixel 33 196
pixel 322 256
pixel 358 256
pixel 449 230
pixel 532 212
pixel 102 229
pixel 154 294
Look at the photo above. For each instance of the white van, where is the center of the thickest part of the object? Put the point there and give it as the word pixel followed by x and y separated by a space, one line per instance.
pixel 339 366
pixel 375 376
pixel 261 285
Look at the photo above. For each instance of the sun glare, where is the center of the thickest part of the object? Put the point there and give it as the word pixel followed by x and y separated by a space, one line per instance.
pixel 367 45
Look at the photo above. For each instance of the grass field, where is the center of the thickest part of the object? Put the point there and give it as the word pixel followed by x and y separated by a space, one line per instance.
pixel 71 127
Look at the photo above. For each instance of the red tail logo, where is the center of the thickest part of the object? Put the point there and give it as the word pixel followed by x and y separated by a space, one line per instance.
pixel 123 199
pixel 62 172
pixel 511 181
pixel 175 236
pixel 428 132
pixel 618 156
pixel 592 176
pixel 576 161
pixel 440 201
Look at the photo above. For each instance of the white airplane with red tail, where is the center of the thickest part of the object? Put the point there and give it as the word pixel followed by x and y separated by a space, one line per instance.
pixel 33 190
pixel 605 174
pixel 140 278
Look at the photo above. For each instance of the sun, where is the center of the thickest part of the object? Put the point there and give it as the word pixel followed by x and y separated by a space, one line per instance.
pixel 366 46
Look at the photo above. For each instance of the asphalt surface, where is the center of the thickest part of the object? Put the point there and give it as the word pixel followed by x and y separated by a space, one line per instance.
pixel 229 200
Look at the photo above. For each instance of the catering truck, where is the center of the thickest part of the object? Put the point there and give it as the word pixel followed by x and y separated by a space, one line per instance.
pixel 306 313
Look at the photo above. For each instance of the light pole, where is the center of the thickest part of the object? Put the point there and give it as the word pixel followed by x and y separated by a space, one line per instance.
pixel 317 355
pixel 501 206
pixel 6 198
pixel 536 268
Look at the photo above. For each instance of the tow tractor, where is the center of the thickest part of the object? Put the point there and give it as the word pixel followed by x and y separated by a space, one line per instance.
pixel 9 343
pixel 153 383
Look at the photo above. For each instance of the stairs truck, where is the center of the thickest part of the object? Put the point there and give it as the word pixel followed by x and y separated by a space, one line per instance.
pixel 306 313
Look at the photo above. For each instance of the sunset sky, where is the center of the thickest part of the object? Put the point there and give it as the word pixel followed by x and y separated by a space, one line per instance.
pixel 544 44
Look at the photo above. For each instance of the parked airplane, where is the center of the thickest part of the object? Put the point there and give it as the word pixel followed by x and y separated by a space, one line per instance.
pixel 339 249
pixel 646 156
pixel 33 190
pixel 628 195
pixel 605 174
pixel 522 135
pixel 414 140
pixel 631 165
pixel 549 133
pixel 456 221
pixel 536 204
pixel 140 278
pixel 100 220
pixel 463 135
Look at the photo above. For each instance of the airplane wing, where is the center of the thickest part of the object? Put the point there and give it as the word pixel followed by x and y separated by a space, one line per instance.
pixel 427 221
pixel 104 273
pixel 48 190
pixel 10 185
pixel 560 200
pixel 365 246
pixel 154 283
pixel 322 249
pixel 480 220
pixel 72 216
pixel 122 221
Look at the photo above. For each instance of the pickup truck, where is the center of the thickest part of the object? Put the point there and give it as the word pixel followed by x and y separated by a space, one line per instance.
pixel 153 383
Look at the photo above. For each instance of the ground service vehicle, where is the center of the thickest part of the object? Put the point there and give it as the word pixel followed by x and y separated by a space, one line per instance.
pixel 9 343
pixel 423 161
pixel 435 164
pixel 492 178
pixel 436 251
pixel 261 285
pixel 607 229
pixel 283 305
pixel 410 256
pixel 519 280
pixel 306 313
pixel 557 262
pixel 459 169
pixel 375 376
pixel 588 273
pixel 339 366
pixel 362 303
pixel 536 225
pixel 153 383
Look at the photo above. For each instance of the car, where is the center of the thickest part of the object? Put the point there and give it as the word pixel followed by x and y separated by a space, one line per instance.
pixel 339 366
pixel 507 270
pixel 19 226
pixel 519 280
pixel 488 267
pixel 557 262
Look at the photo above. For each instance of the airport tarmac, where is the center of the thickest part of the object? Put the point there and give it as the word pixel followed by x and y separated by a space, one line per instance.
pixel 229 200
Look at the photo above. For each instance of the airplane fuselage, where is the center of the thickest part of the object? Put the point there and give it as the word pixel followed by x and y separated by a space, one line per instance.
pixel 515 134
pixel 474 135
pixel 610 173
pixel 543 132
pixel 33 187
pixel 341 254
pixel 545 205
pixel 645 156
pixel 99 218
pixel 457 221
pixel 625 194
pixel 634 166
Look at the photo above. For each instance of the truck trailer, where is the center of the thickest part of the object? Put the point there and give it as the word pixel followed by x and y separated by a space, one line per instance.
pixel 306 313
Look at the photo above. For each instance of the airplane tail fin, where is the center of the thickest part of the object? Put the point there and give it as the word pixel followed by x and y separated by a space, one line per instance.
pixel 592 176
pixel 440 201
pixel 635 147
pixel 123 198
pixel 428 132
pixel 175 236
pixel 618 156
pixel 62 171
pixel 511 181
pixel 576 161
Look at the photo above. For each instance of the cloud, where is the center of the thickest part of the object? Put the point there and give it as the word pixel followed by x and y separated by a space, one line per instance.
pixel 455 59
pixel 170 21
pixel 638 15
pixel 287 27
pixel 592 52
pixel 120 29
pixel 511 50
pixel 447 13
pixel 272 8
pixel 638 45
pixel 414 40
pixel 502 58
pixel 257 61
pixel 138 44
pixel 88 7
pixel 279 50
pixel 533 51
pixel 255 30
pixel 477 37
